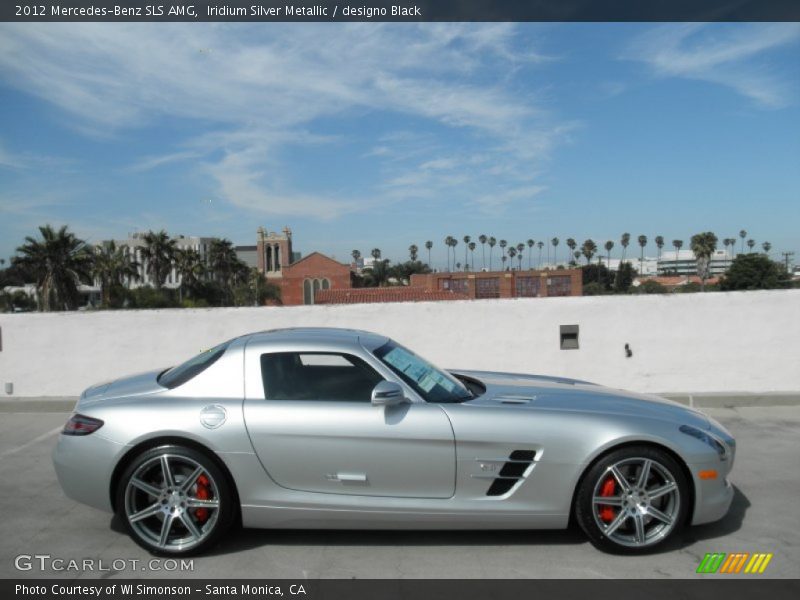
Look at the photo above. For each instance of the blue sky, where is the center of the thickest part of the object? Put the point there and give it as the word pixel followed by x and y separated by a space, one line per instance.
pixel 383 135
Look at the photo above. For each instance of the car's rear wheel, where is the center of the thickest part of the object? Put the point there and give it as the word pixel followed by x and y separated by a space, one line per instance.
pixel 632 500
pixel 175 500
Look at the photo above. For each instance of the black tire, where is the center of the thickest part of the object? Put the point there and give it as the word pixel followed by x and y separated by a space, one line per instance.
pixel 197 501
pixel 630 524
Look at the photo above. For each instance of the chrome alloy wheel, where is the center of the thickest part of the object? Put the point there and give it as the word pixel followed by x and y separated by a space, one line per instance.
pixel 636 502
pixel 172 502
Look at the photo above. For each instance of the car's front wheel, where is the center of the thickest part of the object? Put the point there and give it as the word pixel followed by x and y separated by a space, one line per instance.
pixel 632 500
pixel 174 500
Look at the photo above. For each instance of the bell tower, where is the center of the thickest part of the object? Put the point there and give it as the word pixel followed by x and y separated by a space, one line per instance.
pixel 274 251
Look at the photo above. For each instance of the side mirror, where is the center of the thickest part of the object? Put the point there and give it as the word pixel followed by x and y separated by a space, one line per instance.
pixel 388 393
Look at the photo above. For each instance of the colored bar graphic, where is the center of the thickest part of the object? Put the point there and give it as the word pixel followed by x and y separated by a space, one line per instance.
pixel 720 562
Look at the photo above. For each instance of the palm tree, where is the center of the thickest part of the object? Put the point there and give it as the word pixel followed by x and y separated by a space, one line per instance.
pixel 503 245
pixel 624 241
pixel 512 252
pixel 531 244
pixel 472 246
pixel 642 239
pixel 678 245
pixel 572 244
pixel 767 247
pixel 428 246
pixel 157 254
pixel 466 247
pixel 222 260
pixel 750 244
pixel 356 254
pixel 703 245
pixel 608 246
pixel 113 267
pixel 412 252
pixel 742 234
pixel 376 255
pixel 59 262
pixel 577 255
pixel 520 248
pixel 555 241
pixel 588 249
pixel 504 259
pixel 189 267
pixel 454 243
pixel 659 245
pixel 492 242
pixel 540 245
pixel 483 239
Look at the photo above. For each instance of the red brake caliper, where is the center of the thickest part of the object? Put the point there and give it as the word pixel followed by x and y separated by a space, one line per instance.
pixel 606 512
pixel 202 493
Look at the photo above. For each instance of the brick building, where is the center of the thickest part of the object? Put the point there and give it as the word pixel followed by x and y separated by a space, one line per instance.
pixel 384 294
pixel 301 281
pixel 504 284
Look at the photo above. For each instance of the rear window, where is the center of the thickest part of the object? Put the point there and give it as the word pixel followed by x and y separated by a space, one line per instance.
pixel 179 375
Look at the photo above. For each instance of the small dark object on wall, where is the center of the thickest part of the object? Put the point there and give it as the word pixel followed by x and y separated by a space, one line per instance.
pixel 628 351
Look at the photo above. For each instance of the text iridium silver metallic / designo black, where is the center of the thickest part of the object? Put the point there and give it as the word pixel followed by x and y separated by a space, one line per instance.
pixel 332 428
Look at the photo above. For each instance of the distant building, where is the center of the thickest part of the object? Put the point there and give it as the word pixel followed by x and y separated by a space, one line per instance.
pixel 248 255
pixel 685 263
pixel 400 293
pixel 504 284
pixel 134 245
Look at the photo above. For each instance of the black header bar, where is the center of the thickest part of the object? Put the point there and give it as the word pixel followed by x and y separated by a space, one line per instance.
pixel 401 10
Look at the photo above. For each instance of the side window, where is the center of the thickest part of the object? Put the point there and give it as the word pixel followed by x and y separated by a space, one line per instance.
pixel 317 376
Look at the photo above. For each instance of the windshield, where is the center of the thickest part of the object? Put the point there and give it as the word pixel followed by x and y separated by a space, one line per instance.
pixel 179 375
pixel 433 384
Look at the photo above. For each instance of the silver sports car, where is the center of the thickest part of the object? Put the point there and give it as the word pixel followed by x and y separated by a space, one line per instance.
pixel 333 428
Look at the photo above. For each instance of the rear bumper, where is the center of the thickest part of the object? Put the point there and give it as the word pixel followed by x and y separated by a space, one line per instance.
pixel 84 465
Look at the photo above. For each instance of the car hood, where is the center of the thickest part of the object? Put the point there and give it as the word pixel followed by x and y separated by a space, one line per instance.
pixel 134 385
pixel 526 392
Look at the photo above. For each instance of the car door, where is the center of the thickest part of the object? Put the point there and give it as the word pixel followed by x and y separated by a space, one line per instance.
pixel 314 429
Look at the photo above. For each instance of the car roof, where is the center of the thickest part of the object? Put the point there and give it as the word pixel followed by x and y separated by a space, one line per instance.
pixel 322 335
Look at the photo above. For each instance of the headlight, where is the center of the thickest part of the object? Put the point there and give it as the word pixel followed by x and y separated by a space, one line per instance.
pixel 706 437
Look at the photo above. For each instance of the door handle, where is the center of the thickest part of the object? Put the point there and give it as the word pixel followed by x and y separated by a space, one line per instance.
pixel 347 477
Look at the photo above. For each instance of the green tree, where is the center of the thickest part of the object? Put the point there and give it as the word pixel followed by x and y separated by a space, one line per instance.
pixel 540 245
pixel 190 268
pixel 472 253
pixel 767 247
pixel 650 286
pixel 492 242
pixel 624 278
pixel 703 245
pixel 531 243
pixel 428 246
pixel 588 250
pixel 659 245
pixel 483 239
pixel 512 252
pixel 755 272
pixel 113 267
pixel 412 252
pixel 609 245
pixel 751 244
pixel 642 239
pixel 678 244
pixel 466 247
pixel 503 245
pixel 356 254
pixel 58 262
pixel 624 241
pixel 158 253
pixel 555 241
pixel 743 234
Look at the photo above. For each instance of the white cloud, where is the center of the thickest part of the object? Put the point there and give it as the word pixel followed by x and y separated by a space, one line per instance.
pixel 722 54
pixel 263 87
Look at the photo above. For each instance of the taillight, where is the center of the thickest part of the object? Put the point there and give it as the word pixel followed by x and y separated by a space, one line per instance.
pixel 81 425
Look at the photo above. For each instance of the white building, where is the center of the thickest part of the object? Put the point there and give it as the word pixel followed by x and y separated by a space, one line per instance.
pixel 135 243
pixel 684 262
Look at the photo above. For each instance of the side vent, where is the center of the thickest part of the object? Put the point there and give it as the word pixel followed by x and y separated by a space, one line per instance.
pixel 511 472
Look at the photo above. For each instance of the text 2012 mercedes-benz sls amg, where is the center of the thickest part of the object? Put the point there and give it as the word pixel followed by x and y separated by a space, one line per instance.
pixel 333 428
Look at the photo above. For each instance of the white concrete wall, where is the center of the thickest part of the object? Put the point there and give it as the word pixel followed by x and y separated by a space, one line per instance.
pixel 715 342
